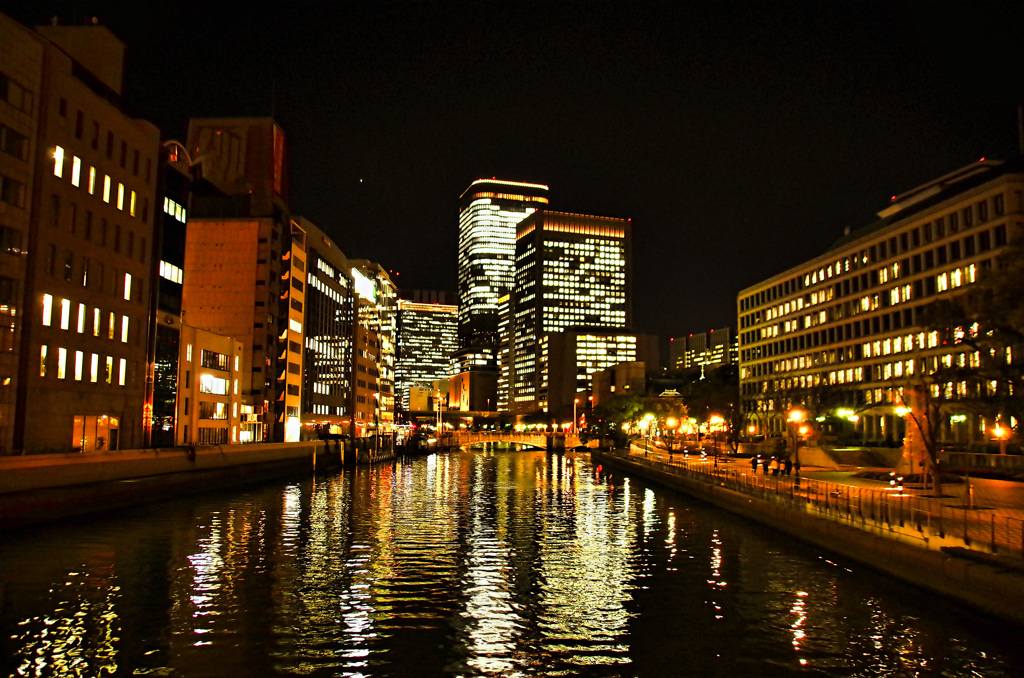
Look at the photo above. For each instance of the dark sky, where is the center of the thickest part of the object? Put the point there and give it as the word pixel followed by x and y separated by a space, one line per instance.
pixel 741 139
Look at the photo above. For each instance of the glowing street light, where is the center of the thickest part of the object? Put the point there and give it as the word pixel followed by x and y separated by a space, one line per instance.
pixel 671 424
pixel 1002 434
pixel 797 417
pixel 648 420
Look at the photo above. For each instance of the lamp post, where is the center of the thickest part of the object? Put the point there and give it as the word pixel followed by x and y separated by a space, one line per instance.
pixel 574 420
pixel 648 420
pixel 671 424
pixel 715 424
pixel 797 417
pixel 1002 434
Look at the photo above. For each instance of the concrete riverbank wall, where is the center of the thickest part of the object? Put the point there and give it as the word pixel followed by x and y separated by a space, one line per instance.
pixel 993 589
pixel 44 488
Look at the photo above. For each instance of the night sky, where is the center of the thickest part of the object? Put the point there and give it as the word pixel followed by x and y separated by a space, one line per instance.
pixel 741 139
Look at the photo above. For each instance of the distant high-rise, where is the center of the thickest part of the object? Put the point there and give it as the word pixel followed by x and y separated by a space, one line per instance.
pixel 489 211
pixel 426 342
pixel 703 349
pixel 573 273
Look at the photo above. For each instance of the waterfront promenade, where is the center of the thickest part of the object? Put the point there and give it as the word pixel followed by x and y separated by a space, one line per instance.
pixel 983 515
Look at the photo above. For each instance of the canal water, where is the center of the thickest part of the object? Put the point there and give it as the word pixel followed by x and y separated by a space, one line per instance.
pixel 463 564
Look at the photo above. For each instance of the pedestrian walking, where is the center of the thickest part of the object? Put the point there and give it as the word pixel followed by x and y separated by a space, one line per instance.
pixel 753 464
pixel 788 466
pixel 775 466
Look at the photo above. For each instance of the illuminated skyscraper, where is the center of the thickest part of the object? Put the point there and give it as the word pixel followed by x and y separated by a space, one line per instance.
pixel 489 211
pixel 426 342
pixel 573 274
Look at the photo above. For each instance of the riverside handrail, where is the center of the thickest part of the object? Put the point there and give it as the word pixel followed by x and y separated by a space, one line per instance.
pixel 892 513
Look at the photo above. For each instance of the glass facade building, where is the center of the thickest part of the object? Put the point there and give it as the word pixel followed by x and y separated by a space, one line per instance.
pixel 489 211
pixel 573 273
pixel 426 341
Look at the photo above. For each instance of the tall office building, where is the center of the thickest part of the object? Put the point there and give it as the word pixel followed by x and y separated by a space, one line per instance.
pixel 78 187
pixel 846 324
pixel 377 310
pixel 489 211
pixel 245 265
pixel 426 342
pixel 573 275
pixel 330 317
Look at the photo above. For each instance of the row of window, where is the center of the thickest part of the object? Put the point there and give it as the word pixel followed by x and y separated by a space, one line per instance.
pixel 75 365
pixel 953 251
pixel 101 231
pixel 109 147
pixel 907 241
pixel 96 183
pixel 85 322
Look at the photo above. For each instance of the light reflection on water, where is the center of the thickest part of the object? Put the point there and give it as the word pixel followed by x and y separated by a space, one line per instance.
pixel 471 564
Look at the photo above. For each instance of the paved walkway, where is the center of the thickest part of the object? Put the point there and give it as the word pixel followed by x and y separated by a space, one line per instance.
pixel 990 497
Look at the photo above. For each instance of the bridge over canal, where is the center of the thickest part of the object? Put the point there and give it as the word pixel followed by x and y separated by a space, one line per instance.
pixel 542 441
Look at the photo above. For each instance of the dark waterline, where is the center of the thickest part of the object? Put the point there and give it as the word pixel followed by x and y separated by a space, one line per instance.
pixel 466 564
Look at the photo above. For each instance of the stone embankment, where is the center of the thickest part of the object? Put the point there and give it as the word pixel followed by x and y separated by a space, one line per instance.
pixel 49 487
pixel 992 584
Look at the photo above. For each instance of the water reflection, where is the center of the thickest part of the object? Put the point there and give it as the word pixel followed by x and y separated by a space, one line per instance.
pixel 468 564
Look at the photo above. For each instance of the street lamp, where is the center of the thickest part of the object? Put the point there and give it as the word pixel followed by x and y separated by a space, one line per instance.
pixel 797 417
pixel 671 424
pixel 715 424
pixel 1002 434
pixel 574 420
pixel 648 419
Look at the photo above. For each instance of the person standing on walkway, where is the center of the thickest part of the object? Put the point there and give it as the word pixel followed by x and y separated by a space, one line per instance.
pixel 764 465
pixel 788 466
pixel 753 464
pixel 775 466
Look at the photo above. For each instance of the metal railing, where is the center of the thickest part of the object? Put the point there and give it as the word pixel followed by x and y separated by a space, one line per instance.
pixel 891 512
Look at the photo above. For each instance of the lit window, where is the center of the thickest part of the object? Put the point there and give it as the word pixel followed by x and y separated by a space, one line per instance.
pixel 295 326
pixel 110 369
pixel 111 324
pixel 58 162
pixel 95 322
pixel 76 171
pixel 42 360
pixel 124 329
pixel 122 367
pixel 120 196
pixel 127 286
pixel 131 204
pixel 78 365
pixel 65 313
pixel 47 309
pixel 237 362
pixel 62 363
pixel 94 368
pixel 92 181
pixel 188 353
pixel 81 318
pixel 106 188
